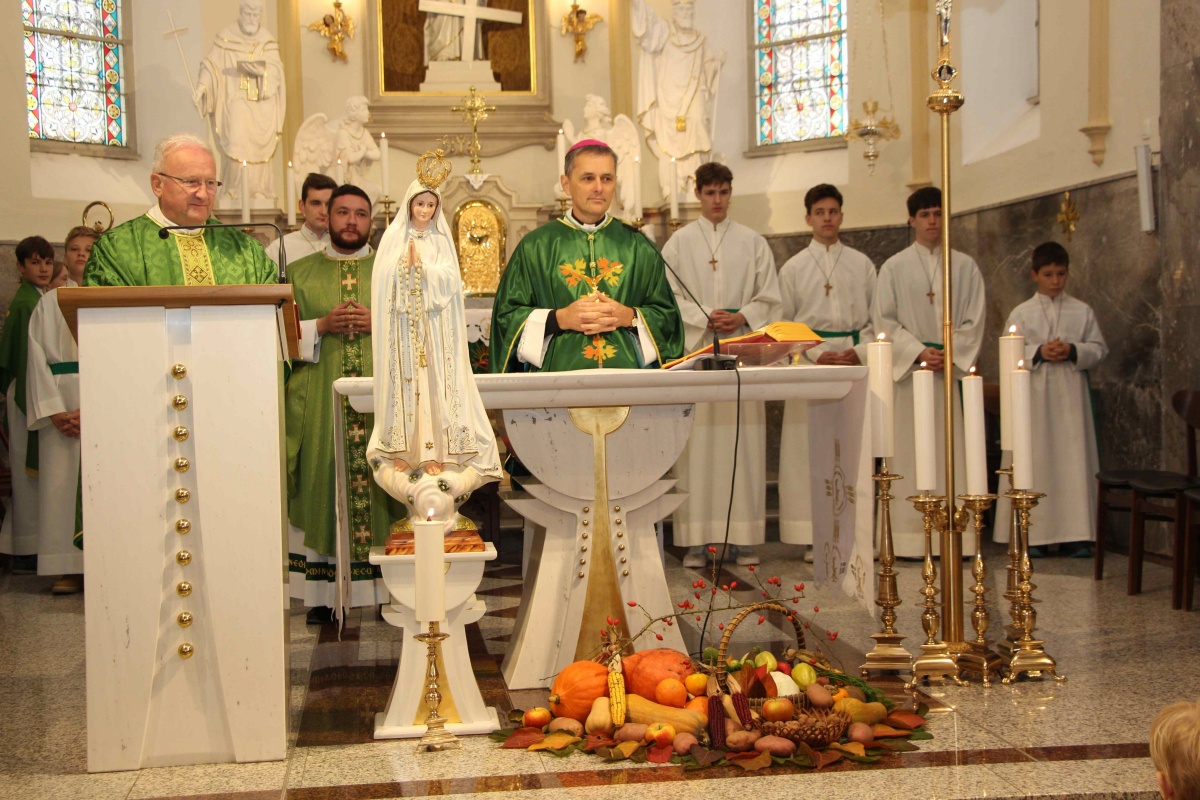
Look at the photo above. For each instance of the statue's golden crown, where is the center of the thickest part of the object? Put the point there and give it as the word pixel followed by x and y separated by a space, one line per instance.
pixel 432 169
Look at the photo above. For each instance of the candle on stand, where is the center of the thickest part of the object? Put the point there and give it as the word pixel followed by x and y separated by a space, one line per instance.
pixel 245 194
pixel 339 173
pixel 673 190
pixel 881 384
pixel 383 163
pixel 290 202
pixel 560 147
pixel 924 425
pixel 429 558
pixel 1022 428
pixel 975 445
pixel 1012 350
pixel 637 187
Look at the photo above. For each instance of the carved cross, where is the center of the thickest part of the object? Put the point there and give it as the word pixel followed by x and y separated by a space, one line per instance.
pixel 470 14
pixel 357 432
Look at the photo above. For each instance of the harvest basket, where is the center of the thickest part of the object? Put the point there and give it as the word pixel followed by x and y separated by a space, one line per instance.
pixel 814 727
pixel 755 608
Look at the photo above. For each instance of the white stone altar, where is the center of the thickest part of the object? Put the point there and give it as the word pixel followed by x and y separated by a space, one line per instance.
pixel 562 496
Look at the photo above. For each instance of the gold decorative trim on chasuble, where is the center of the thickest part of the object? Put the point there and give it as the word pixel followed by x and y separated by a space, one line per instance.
pixel 193 255
pixel 358 479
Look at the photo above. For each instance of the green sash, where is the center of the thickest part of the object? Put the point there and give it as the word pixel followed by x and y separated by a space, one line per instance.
pixel 65 368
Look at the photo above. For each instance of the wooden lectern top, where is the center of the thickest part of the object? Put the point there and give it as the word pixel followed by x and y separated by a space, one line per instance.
pixel 71 299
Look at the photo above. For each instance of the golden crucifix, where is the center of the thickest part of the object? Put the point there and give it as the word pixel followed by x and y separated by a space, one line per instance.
pixel 475 110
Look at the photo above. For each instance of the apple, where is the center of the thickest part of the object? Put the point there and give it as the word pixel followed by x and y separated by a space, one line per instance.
pixel 537 718
pixel 784 667
pixel 766 659
pixel 778 709
pixel 660 733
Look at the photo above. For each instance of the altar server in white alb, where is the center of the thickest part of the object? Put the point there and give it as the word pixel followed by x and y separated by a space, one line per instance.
pixel 908 307
pixel 827 286
pixel 731 271
pixel 1062 342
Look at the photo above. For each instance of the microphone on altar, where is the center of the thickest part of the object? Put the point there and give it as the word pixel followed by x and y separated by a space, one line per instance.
pixel 165 231
pixel 718 361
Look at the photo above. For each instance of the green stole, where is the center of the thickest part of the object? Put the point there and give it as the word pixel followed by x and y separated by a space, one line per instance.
pixel 14 359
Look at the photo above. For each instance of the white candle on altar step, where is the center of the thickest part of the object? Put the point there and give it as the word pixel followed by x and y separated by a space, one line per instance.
pixel 879 365
pixel 383 163
pixel 1012 350
pixel 339 173
pixel 245 193
pixel 637 188
pixel 429 557
pixel 975 445
pixel 290 202
pixel 673 191
pixel 1022 428
pixel 924 433
pixel 560 149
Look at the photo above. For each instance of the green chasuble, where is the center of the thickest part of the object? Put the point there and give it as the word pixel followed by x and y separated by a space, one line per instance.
pixel 320 283
pixel 558 263
pixel 132 254
pixel 14 351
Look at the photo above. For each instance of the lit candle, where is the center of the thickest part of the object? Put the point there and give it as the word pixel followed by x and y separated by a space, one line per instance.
pixel 879 365
pixel 339 173
pixel 637 188
pixel 924 427
pixel 290 202
pixel 245 193
pixel 1022 428
pixel 429 557
pixel 383 162
pixel 673 191
pixel 560 148
pixel 976 446
pixel 1012 350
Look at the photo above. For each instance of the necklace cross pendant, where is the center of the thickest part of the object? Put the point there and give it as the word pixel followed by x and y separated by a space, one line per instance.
pixel 713 261
pixel 828 288
pixel 929 294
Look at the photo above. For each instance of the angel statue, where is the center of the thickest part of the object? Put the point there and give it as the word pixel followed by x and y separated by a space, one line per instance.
pixel 319 145
pixel 622 136
pixel 335 27
pixel 432 444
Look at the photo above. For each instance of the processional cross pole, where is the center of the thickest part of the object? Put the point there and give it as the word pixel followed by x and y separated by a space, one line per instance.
pixel 474 109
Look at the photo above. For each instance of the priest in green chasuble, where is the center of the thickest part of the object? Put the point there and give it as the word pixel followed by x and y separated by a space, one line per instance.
pixel 585 291
pixel 333 295
pixel 185 182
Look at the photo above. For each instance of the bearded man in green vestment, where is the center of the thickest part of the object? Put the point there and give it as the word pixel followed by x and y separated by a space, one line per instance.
pixel 585 291
pixel 333 290
pixel 185 182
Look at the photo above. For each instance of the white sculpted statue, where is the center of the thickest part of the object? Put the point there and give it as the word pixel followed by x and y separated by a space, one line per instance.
pixel 320 143
pixel 619 133
pixel 432 444
pixel 677 87
pixel 240 88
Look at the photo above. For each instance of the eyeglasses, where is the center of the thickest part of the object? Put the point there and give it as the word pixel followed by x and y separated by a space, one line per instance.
pixel 194 184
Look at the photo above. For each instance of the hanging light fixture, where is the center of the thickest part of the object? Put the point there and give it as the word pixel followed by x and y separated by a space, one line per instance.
pixel 869 129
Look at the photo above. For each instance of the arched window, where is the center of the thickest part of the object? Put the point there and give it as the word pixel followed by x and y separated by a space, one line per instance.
pixel 800 54
pixel 76 54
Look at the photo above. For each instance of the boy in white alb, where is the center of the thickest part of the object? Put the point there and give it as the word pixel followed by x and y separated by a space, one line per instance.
pixel 1062 342
pixel 827 286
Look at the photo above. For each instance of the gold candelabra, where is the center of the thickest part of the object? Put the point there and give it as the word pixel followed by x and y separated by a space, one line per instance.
pixel 1028 656
pixel 674 224
pixel 475 110
pixel 936 661
pixel 888 653
pixel 978 658
pixel 436 736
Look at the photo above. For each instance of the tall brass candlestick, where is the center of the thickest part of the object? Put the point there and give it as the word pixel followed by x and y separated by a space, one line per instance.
pixel 979 658
pixel 935 661
pixel 1029 656
pixel 888 653
pixel 436 736
pixel 1012 586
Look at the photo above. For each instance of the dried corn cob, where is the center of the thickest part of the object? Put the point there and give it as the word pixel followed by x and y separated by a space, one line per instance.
pixel 742 705
pixel 716 720
pixel 616 695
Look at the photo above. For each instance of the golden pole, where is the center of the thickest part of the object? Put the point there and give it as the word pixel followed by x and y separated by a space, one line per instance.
pixel 944 102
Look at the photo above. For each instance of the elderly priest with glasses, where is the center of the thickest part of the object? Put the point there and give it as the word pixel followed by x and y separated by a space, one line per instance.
pixel 136 254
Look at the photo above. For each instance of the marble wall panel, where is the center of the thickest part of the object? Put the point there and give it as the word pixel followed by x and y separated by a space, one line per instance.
pixel 1180 24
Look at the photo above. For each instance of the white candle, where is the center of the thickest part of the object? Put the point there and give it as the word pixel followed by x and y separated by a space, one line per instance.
pixel 560 149
pixel 976 442
pixel 383 163
pixel 636 211
pixel 429 555
pixel 245 193
pixel 879 364
pixel 1022 429
pixel 339 173
pixel 1012 350
pixel 924 429
pixel 290 202
pixel 673 191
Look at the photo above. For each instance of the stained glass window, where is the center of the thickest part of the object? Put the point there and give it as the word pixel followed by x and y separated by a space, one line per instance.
pixel 800 67
pixel 75 71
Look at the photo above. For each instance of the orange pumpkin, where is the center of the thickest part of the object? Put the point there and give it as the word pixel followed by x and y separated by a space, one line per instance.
pixel 646 669
pixel 576 689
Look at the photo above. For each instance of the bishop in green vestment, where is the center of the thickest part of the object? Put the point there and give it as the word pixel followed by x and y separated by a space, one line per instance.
pixel 585 291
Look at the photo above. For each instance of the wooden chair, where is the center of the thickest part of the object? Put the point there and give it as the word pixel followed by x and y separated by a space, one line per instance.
pixel 1189 542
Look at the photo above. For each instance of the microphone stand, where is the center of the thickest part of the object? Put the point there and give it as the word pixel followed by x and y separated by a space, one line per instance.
pixel 164 232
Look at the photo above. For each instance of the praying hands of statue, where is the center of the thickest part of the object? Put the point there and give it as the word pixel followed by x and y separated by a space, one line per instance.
pixel 1056 350
pixel 595 313
pixel 935 360
pixel 430 467
pixel 67 423
pixel 723 321
pixel 846 358
pixel 348 317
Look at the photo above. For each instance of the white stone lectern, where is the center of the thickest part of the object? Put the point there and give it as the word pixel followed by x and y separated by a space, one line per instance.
pixel 184 536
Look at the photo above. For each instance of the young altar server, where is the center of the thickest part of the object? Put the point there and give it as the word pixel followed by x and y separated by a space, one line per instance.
pixel 732 272
pixel 908 307
pixel 19 535
pixel 52 403
pixel 827 286
pixel 1062 342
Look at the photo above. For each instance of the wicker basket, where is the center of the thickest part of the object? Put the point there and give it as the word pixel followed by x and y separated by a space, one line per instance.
pixel 815 727
pixel 755 608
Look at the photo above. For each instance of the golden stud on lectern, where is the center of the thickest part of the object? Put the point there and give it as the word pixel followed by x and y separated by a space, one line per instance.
pixel 186 650
pixel 184 619
pixel 182 464
pixel 182 495
pixel 183 589
pixel 179 402
pixel 183 558
pixel 180 433
pixel 182 526
pixel 178 372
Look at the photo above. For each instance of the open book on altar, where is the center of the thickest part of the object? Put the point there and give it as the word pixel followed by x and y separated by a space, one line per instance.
pixel 767 345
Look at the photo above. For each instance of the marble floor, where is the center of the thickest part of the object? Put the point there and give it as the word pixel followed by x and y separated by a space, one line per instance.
pixel 1125 658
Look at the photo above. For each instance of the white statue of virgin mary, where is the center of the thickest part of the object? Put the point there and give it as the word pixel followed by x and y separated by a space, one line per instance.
pixel 432 444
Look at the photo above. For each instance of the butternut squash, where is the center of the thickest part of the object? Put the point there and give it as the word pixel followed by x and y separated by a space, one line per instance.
pixel 646 711
pixel 599 720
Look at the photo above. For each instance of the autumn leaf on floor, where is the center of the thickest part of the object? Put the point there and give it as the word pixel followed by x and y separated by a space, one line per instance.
pixel 920 735
pixel 882 731
pixel 660 753
pixel 555 741
pixel 827 757
pixel 501 735
pixel 705 757
pixel 759 761
pixel 595 741
pixel 522 738
pixel 904 719
pixel 897 746
pixel 854 748
pixel 517 716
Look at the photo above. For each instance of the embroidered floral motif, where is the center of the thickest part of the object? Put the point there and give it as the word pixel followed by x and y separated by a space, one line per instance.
pixel 606 272
pixel 599 350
